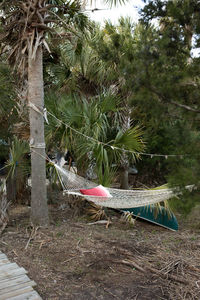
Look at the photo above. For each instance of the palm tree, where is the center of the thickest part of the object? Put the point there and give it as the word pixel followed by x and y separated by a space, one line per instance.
pixel 76 67
pixel 25 24
pixel 98 119
pixel 115 46
pixel 95 72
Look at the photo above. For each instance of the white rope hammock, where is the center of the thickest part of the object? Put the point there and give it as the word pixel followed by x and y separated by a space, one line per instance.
pixel 73 183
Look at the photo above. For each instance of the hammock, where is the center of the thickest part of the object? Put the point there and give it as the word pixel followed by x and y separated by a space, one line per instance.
pixel 116 198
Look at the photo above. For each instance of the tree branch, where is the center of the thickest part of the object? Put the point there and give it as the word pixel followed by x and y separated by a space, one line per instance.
pixel 185 106
pixel 162 97
pixel 41 26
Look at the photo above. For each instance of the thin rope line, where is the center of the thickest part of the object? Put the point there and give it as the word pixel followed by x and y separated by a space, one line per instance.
pixel 59 176
pixel 78 132
pixel 45 157
pixel 117 148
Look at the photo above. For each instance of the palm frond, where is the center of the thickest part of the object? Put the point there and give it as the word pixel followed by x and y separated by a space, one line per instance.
pixel 115 2
pixel 130 140
pixel 96 212
pixel 18 158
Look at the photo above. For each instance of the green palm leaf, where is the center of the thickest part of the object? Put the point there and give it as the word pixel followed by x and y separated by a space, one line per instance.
pixel 131 140
pixel 18 158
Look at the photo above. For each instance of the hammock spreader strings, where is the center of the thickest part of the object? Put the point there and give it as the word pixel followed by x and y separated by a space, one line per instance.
pixel 72 183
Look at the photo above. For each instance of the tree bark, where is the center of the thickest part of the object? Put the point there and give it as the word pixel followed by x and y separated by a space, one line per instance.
pixel 39 208
pixel 11 189
pixel 124 184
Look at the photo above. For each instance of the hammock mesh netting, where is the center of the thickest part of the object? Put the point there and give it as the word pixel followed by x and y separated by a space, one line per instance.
pixel 73 183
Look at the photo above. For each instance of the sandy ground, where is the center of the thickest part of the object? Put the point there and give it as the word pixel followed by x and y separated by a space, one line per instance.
pixel 73 260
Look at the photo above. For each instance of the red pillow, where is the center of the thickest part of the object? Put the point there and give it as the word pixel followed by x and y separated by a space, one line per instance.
pixel 98 191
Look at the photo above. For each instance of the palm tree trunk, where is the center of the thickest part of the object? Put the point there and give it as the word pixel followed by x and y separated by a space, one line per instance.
pixel 11 189
pixel 39 208
pixel 124 184
pixel 188 35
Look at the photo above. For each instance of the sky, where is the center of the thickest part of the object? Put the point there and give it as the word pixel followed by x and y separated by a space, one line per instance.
pixel 130 9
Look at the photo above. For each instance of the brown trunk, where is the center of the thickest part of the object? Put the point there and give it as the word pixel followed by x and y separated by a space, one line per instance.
pixel 188 35
pixel 124 180
pixel 39 208
pixel 125 162
pixel 11 189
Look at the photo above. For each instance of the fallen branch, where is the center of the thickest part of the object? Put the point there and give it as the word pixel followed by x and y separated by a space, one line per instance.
pixel 144 270
pixel 168 276
pixel 133 264
pixel 192 267
pixel 32 235
pixel 3 227
pixel 170 267
pixel 101 222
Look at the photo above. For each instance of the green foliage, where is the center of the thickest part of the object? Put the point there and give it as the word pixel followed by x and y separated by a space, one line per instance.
pixel 74 66
pixel 18 169
pixel 93 79
pixel 146 69
pixel 162 87
pixel 131 138
pixel 18 160
pixel 8 113
pixel 94 119
pixel 186 171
